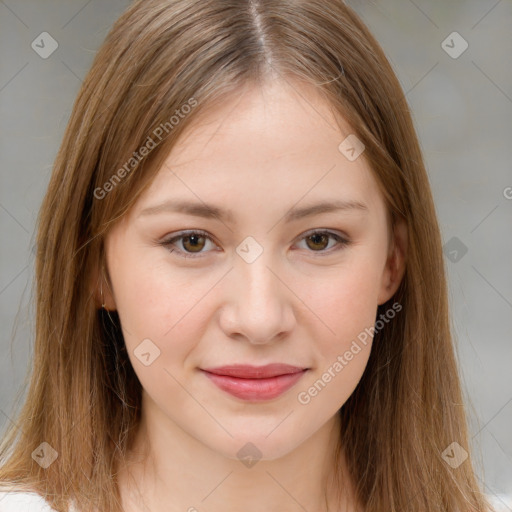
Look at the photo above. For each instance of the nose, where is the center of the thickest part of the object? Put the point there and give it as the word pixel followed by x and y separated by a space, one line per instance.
pixel 260 305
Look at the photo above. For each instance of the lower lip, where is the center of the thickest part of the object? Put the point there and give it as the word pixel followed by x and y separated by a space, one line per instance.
pixel 255 389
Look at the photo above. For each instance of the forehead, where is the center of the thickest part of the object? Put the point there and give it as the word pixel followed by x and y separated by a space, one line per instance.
pixel 269 145
pixel 276 120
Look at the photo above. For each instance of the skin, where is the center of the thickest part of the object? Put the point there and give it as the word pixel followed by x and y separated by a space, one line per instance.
pixel 303 303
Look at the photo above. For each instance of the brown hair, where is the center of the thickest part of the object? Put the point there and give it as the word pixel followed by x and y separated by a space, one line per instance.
pixel 84 397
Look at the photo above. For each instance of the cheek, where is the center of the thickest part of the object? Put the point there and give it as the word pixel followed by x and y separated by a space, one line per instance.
pixel 164 309
pixel 159 303
pixel 150 301
pixel 347 305
pixel 346 302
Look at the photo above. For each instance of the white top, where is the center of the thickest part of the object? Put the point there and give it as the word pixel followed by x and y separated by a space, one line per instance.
pixel 21 501
pixel 18 501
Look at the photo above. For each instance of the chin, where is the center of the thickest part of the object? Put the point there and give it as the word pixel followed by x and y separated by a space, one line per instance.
pixel 253 446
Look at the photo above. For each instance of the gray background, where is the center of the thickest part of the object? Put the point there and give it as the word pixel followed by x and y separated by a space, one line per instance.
pixel 462 110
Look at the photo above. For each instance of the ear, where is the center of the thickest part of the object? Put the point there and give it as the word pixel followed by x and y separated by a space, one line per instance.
pixel 102 287
pixel 394 269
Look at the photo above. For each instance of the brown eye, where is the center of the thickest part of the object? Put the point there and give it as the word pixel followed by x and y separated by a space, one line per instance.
pixel 189 244
pixel 318 241
pixel 193 243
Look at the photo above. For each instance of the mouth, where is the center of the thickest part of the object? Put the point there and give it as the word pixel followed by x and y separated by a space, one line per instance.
pixel 255 384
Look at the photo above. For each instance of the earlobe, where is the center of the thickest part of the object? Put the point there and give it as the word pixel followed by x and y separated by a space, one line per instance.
pixel 103 294
pixel 396 262
pixel 107 300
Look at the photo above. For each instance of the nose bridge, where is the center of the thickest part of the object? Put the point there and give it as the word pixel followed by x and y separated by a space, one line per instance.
pixel 261 309
pixel 258 283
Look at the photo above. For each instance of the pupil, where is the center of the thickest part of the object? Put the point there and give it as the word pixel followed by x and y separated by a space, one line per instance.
pixel 193 240
pixel 315 238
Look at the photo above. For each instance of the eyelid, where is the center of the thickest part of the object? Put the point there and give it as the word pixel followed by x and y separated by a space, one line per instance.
pixel 341 239
pixel 168 241
pixel 327 231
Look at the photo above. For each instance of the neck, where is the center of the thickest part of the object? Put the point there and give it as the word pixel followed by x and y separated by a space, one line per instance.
pixel 170 470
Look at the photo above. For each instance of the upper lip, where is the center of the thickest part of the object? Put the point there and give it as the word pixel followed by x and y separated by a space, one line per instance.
pixel 243 371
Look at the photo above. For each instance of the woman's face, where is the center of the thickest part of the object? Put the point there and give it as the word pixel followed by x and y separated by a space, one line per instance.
pixel 253 285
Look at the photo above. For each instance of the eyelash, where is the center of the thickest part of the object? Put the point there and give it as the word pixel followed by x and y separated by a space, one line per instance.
pixel 342 242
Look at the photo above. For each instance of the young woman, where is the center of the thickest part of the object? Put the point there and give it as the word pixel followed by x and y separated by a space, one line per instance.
pixel 241 298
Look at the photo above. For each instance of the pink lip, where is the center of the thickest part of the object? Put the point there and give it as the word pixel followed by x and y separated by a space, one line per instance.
pixel 255 383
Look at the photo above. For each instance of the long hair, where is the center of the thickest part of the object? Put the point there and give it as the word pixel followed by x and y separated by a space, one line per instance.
pixel 162 64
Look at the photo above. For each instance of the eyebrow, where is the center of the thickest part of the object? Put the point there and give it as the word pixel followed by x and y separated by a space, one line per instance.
pixel 210 211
